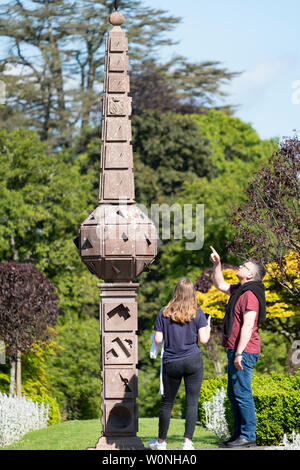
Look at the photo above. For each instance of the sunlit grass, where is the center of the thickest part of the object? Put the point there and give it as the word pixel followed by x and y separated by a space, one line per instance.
pixel 78 435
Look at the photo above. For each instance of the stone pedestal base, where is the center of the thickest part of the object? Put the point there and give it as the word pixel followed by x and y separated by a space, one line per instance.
pixel 119 443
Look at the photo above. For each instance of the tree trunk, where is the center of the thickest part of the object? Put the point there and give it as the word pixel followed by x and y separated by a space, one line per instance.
pixel 18 380
pixel 213 353
pixel 12 377
pixel 293 357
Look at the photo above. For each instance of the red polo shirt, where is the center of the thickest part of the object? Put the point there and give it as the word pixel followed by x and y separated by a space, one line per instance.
pixel 247 301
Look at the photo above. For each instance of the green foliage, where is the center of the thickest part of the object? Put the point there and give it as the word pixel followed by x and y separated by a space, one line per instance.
pixel 237 152
pixel 4 381
pixel 233 140
pixel 148 398
pixel 73 368
pixel 34 381
pixel 277 405
pixel 44 198
pixel 169 150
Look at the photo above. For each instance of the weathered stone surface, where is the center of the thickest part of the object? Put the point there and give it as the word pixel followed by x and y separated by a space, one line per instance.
pixel 117 242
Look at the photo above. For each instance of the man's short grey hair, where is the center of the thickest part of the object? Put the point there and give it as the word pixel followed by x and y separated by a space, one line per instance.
pixel 259 269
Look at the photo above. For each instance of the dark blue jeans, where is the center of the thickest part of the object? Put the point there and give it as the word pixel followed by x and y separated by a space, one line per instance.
pixel 191 371
pixel 240 395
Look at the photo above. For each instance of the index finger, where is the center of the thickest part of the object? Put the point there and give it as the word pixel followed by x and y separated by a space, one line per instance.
pixel 212 249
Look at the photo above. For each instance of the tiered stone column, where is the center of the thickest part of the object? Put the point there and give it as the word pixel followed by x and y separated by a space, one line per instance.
pixel 117 242
pixel 118 317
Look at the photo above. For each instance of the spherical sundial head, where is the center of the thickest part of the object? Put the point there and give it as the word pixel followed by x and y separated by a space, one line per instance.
pixel 116 18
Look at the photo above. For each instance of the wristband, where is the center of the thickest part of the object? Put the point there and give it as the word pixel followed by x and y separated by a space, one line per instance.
pixel 238 354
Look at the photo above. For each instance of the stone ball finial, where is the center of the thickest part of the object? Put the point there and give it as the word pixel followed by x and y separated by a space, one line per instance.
pixel 116 18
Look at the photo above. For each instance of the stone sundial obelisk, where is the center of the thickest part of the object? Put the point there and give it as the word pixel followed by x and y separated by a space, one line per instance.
pixel 117 242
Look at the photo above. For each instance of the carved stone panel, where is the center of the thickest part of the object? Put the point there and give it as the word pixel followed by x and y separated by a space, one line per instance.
pixel 142 264
pixel 118 83
pixel 118 43
pixel 115 155
pixel 117 129
pixel 118 184
pixel 120 383
pixel 91 241
pixel 96 217
pixel 119 240
pixel 117 105
pixel 118 269
pixel 117 214
pixel 118 63
pixel 120 417
pixel 119 348
pixel 96 266
pixel 119 316
pixel 145 240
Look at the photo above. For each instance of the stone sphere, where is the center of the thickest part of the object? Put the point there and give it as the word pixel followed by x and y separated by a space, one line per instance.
pixel 116 18
pixel 117 242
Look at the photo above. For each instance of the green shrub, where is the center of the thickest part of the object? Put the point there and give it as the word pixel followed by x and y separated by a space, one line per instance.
pixel 277 405
pixel 35 390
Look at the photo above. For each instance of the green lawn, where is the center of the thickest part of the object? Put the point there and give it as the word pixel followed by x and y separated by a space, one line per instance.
pixel 78 435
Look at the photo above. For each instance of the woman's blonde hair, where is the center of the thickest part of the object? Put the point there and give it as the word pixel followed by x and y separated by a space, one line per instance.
pixel 183 305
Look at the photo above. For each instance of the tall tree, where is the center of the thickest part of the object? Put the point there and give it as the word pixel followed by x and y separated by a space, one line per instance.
pixel 179 86
pixel 267 225
pixel 28 308
pixel 236 153
pixel 55 55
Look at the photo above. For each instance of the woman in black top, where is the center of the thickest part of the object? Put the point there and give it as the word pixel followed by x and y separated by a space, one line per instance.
pixel 180 325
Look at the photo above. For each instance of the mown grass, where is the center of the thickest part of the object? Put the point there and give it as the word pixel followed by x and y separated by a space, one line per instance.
pixel 78 435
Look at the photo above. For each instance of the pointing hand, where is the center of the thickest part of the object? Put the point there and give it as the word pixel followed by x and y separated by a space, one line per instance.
pixel 214 257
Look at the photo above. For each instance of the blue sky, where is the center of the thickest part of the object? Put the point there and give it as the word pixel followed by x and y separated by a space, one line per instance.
pixel 260 38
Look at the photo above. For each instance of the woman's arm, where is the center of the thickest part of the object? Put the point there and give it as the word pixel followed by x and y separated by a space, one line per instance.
pixel 158 337
pixel 204 333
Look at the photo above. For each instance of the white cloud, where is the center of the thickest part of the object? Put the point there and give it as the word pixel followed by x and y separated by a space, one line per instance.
pixel 253 83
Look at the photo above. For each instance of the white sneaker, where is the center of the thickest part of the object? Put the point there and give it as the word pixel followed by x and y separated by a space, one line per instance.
pixel 188 445
pixel 155 445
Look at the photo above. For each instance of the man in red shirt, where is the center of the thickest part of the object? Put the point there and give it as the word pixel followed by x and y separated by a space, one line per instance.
pixel 245 309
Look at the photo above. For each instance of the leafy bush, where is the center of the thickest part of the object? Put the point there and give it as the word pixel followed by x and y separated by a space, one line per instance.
pixel 19 416
pixel 34 382
pixel 277 405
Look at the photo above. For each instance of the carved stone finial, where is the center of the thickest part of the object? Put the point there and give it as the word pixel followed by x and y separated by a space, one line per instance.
pixel 116 18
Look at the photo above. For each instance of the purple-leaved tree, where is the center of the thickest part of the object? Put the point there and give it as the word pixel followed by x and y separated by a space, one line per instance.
pixel 28 310
pixel 268 224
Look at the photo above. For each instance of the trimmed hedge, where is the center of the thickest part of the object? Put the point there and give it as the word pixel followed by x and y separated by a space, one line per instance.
pixel 277 405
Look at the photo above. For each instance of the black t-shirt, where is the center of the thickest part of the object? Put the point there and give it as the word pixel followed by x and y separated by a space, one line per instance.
pixel 180 339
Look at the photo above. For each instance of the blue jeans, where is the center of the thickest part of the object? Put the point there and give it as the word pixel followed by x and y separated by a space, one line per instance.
pixel 240 395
